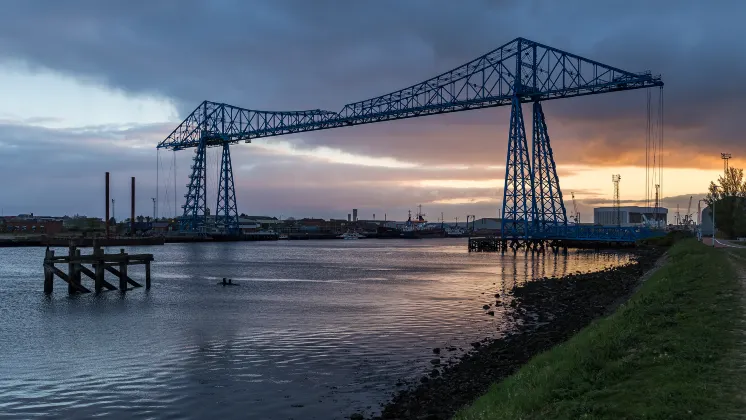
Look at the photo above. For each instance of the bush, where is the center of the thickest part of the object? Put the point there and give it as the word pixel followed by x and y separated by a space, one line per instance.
pixel 668 240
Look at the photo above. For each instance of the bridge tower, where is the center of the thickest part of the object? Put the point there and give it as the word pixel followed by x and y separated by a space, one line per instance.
pixel 550 207
pixel 532 198
pixel 518 206
pixel 194 218
pixel 226 211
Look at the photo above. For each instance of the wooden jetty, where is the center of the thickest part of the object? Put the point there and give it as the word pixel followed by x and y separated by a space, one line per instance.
pixel 100 262
pixel 498 244
pixel 484 244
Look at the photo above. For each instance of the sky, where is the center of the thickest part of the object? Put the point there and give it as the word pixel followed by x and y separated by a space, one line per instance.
pixel 90 86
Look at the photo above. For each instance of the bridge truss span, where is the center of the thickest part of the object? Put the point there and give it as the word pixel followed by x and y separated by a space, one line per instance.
pixel 518 72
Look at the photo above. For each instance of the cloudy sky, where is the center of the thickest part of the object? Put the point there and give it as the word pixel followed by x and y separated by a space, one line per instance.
pixel 92 86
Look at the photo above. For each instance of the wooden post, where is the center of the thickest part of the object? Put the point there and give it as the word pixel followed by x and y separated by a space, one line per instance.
pixel 99 267
pixel 77 267
pixel 123 271
pixel 147 275
pixel 71 269
pixel 48 273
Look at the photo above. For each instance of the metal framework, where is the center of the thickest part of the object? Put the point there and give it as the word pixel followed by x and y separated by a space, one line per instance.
pixel 520 71
pixel 550 208
pixel 518 202
pixel 195 207
pixel 226 211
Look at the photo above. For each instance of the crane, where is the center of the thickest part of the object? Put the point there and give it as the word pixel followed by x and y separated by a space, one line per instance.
pixel 688 216
pixel 576 214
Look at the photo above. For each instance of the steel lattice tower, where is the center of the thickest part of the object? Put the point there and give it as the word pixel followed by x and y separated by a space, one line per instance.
pixel 196 197
pixel 226 211
pixel 550 208
pixel 725 157
pixel 517 204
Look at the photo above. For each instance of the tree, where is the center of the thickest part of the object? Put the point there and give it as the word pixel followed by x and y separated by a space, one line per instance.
pixel 730 185
pixel 729 198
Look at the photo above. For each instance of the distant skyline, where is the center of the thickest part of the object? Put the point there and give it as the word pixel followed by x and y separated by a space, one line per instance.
pixel 96 85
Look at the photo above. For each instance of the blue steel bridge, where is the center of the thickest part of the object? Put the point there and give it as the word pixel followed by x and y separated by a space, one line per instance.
pixel 518 72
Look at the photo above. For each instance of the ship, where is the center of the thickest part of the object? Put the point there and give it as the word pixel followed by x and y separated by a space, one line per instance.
pixel 419 228
pixel 350 235
pixel 455 231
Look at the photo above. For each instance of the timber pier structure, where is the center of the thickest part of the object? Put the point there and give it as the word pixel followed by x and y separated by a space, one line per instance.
pixel 499 244
pixel 101 262
pixel 537 237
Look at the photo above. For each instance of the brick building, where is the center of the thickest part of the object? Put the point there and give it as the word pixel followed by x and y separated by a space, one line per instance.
pixel 39 226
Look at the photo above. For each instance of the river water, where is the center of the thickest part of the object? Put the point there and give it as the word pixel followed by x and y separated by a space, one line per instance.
pixel 316 329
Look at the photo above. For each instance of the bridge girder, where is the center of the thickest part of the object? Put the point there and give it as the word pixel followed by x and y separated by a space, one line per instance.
pixel 521 68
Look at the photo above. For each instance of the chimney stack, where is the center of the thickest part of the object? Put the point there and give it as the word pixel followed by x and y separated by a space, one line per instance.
pixel 132 217
pixel 107 204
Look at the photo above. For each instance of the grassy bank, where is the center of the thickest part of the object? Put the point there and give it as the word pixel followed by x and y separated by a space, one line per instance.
pixel 669 353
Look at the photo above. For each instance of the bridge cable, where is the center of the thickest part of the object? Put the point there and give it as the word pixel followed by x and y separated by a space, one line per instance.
pixel 647 152
pixel 660 139
pixel 157 180
pixel 167 197
pixel 175 213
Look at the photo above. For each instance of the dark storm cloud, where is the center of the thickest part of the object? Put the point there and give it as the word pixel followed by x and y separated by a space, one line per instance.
pixel 287 54
pixel 295 54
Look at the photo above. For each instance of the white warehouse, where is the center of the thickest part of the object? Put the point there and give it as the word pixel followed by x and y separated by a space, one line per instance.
pixel 630 216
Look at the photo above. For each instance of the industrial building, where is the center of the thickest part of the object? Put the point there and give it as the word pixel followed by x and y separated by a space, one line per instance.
pixel 30 225
pixel 705 226
pixel 630 216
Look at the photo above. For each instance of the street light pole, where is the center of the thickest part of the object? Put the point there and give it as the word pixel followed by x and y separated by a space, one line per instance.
pixel 713 216
pixel 699 219
pixel 713 223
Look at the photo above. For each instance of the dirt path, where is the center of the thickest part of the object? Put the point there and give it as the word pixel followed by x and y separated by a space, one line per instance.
pixel 738 259
pixel 722 243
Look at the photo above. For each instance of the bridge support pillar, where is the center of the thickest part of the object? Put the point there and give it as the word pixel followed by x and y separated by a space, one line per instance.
pixel 226 211
pixel 547 195
pixel 195 207
pixel 517 201
pixel 532 203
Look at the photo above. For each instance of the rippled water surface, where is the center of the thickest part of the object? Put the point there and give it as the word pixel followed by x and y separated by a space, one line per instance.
pixel 316 329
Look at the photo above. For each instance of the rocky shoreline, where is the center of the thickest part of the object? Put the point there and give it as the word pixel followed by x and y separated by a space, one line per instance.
pixel 545 312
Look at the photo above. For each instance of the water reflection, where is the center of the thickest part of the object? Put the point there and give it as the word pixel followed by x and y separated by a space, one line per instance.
pixel 317 329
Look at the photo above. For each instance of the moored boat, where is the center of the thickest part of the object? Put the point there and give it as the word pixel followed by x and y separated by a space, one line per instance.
pixel 351 235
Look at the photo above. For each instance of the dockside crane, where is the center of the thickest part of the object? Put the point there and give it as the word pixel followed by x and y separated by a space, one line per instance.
pixel 688 220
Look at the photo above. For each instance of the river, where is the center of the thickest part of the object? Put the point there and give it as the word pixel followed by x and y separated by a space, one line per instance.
pixel 316 329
